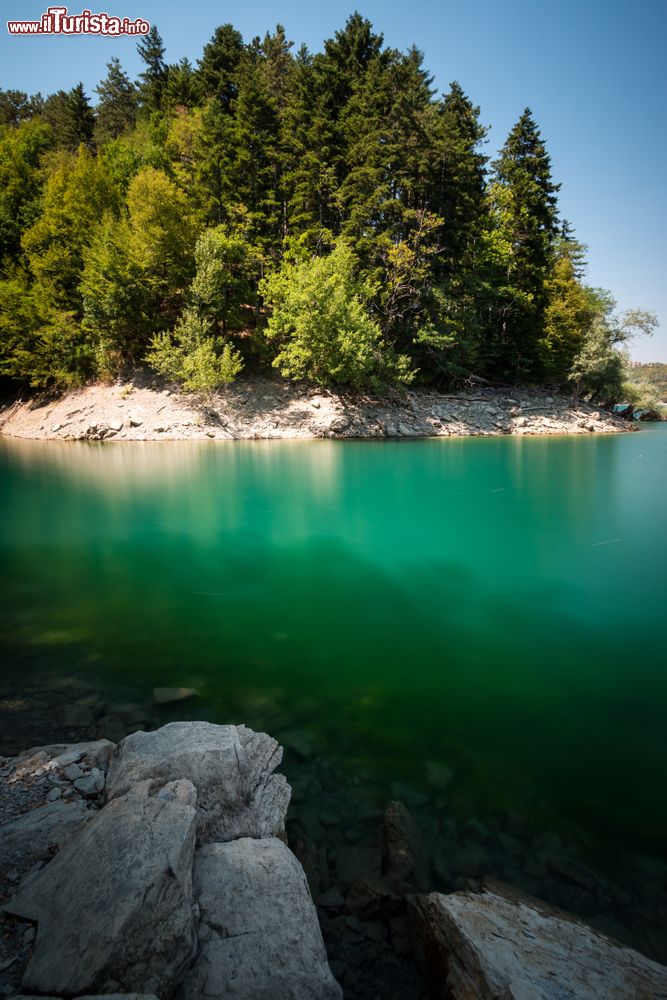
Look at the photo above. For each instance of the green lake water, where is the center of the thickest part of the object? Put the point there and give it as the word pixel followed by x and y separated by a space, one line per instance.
pixel 496 605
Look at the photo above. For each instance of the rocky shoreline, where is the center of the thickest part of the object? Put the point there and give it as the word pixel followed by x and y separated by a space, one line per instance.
pixel 263 408
pixel 159 866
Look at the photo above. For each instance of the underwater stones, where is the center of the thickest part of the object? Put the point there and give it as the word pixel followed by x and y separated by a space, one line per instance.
pixel 170 696
pixel 258 935
pixel 230 766
pixel 400 839
pixel 438 775
pixel 500 943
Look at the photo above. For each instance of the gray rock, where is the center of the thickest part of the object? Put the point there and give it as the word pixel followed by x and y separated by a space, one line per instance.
pixel 259 938
pixel 230 766
pixel 114 908
pixel 106 996
pixel 91 784
pixel 400 839
pixel 438 775
pixel 72 772
pixel 500 943
pixel 168 696
pixel 37 834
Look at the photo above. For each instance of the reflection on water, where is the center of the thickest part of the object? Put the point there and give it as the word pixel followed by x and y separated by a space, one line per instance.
pixel 492 605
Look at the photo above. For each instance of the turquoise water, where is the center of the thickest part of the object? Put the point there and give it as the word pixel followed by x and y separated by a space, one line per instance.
pixel 495 605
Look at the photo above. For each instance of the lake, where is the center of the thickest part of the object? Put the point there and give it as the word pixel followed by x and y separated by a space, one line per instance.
pixel 476 623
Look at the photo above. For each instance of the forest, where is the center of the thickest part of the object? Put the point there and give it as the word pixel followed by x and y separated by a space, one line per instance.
pixel 328 215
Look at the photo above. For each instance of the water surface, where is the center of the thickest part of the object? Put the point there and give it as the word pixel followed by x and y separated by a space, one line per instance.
pixel 495 605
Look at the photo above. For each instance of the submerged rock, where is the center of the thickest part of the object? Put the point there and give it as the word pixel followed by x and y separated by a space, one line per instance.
pixel 502 944
pixel 170 696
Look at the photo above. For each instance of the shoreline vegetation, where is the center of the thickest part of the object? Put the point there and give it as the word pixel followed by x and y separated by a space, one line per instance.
pixel 264 408
pixel 330 215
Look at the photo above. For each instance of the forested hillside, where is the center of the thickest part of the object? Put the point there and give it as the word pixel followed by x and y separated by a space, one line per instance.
pixel 327 214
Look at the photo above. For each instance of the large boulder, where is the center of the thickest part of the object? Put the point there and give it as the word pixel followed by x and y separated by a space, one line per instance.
pixel 499 943
pixel 114 908
pixel 259 938
pixel 231 767
pixel 37 835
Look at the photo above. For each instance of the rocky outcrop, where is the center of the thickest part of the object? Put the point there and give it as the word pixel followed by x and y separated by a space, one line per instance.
pixel 499 944
pixel 230 766
pixel 258 934
pixel 115 911
pixel 277 408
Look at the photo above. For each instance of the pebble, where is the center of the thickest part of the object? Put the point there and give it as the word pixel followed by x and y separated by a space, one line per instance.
pixel 53 795
pixel 72 772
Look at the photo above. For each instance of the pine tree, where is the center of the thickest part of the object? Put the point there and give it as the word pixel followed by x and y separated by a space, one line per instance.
pixel 117 105
pixel 218 65
pixel 525 216
pixel 183 86
pixel 70 117
pixel 153 79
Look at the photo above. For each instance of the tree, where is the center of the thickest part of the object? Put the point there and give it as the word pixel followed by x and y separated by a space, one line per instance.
pixel 21 152
pixel 138 270
pixel 524 214
pixel 598 371
pixel 77 195
pixel 79 122
pixel 117 105
pixel 193 357
pixel 218 65
pixel 224 289
pixel 183 87
pixel 154 77
pixel 568 316
pixel 321 323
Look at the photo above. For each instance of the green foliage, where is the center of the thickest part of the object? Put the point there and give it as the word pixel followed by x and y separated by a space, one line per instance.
pixel 154 76
pixel 322 325
pixel 598 371
pixel 224 286
pixel 138 270
pixel 77 194
pixel 192 357
pixel 21 153
pixel 40 344
pixel 116 110
pixel 361 192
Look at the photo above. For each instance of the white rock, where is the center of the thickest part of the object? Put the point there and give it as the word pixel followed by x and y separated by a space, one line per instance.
pixel 230 766
pixel 114 907
pixel 259 938
pixel 500 943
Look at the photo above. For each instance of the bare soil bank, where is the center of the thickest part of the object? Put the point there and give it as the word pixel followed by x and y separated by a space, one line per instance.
pixel 274 408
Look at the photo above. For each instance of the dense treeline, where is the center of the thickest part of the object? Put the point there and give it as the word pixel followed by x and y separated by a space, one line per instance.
pixel 328 214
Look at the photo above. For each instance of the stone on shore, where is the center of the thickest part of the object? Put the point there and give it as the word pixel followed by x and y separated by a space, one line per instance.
pixel 230 766
pixel 259 937
pixel 38 834
pixel 502 944
pixel 114 908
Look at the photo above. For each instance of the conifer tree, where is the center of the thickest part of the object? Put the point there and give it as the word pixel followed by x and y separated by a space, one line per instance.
pixel 117 105
pixel 154 77
pixel 218 65
pixel 524 205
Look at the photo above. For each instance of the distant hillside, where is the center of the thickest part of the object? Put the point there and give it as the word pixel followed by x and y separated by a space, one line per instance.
pixel 655 374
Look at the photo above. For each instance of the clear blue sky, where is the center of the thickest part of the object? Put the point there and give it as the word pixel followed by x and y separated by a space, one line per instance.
pixel 593 73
